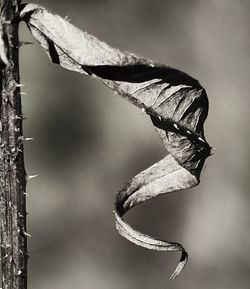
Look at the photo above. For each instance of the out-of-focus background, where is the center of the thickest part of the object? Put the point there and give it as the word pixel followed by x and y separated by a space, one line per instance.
pixel 88 143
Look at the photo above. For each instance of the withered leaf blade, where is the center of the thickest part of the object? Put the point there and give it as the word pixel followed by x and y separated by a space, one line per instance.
pixel 176 103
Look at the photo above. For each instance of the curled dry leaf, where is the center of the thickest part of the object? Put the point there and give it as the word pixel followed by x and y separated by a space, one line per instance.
pixel 176 103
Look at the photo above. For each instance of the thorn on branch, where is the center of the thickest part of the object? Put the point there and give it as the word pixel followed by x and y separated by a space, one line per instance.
pixel 30 177
pixel 22 43
pixel 26 234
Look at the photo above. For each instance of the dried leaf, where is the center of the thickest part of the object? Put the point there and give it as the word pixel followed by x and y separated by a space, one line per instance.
pixel 176 103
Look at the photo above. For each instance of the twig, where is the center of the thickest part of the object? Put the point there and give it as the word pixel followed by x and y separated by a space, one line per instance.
pixel 12 172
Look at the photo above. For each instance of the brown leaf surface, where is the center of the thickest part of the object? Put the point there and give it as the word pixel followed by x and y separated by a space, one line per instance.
pixel 176 103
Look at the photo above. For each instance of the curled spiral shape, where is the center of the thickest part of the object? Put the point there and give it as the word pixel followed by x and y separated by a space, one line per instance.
pixel 176 103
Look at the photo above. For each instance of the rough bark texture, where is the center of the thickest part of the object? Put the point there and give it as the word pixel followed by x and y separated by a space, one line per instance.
pixel 12 172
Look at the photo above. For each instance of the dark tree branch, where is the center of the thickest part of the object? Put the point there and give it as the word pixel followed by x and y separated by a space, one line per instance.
pixel 12 171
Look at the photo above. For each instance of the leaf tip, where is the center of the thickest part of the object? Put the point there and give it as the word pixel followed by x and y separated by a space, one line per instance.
pixel 182 263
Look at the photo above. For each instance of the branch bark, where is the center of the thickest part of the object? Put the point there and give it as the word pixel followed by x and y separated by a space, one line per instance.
pixel 12 171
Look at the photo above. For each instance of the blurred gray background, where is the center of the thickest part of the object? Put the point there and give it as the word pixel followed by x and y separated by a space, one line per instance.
pixel 88 143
